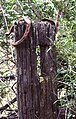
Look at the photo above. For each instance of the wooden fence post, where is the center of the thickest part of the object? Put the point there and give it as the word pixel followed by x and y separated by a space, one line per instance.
pixel 36 99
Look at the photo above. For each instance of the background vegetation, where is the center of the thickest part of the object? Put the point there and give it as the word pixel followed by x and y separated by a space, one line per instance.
pixel 11 10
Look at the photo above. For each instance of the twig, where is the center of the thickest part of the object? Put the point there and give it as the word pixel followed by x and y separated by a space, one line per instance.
pixel 4 16
pixel 66 112
pixel 19 5
pixel 63 83
pixel 59 114
pixel 7 105
pixel 4 78
pixel 13 87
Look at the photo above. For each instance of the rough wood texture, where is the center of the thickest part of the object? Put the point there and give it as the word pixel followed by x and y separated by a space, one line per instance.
pixel 36 99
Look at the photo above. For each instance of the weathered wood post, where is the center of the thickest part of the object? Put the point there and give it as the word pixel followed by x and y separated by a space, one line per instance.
pixel 46 37
pixel 36 99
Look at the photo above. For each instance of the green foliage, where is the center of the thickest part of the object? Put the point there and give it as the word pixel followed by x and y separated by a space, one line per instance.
pixel 11 10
